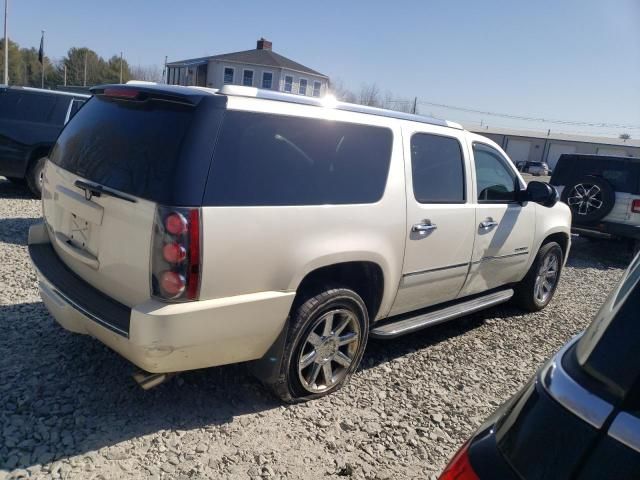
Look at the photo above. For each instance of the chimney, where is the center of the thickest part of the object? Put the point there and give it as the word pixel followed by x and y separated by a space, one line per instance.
pixel 263 44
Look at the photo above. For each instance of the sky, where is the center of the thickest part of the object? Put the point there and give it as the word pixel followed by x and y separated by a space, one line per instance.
pixel 576 60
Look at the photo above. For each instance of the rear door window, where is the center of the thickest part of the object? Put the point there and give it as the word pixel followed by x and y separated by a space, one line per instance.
pixel 27 106
pixel 437 169
pixel 265 159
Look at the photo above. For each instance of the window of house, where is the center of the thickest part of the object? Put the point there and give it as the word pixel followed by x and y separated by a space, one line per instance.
pixel 496 182
pixel 302 86
pixel 247 78
pixel 228 74
pixel 437 169
pixel 288 83
pixel 265 159
pixel 316 89
pixel 267 79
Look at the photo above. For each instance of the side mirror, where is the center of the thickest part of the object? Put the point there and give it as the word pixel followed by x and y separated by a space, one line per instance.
pixel 542 193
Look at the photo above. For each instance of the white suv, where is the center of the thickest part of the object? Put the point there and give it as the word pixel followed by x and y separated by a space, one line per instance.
pixel 187 227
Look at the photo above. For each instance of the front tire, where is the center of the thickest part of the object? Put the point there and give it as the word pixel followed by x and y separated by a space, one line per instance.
pixel 326 339
pixel 537 288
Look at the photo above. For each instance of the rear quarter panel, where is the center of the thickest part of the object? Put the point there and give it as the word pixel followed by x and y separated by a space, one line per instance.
pixel 254 249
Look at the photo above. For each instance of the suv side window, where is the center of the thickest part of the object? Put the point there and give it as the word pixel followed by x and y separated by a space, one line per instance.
pixel 494 179
pixel 28 107
pixel 267 160
pixel 437 169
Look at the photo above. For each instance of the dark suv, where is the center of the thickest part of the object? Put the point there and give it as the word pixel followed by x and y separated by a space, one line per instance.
pixel 30 121
pixel 603 193
pixel 579 417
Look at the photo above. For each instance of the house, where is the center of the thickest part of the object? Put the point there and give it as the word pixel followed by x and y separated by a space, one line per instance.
pixel 523 146
pixel 262 68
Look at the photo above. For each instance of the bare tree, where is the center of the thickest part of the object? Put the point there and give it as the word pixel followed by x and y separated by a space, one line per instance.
pixel 624 136
pixel 370 95
pixel 341 92
pixel 397 103
pixel 148 73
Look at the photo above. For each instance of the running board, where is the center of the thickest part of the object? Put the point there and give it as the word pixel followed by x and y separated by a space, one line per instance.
pixel 407 325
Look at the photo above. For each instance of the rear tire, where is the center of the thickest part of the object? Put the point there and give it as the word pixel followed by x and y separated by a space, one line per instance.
pixel 537 288
pixel 326 337
pixel 34 176
pixel 17 181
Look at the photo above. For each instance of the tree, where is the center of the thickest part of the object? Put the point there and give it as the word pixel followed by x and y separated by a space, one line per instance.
pixel 149 73
pixel 370 95
pixel 625 136
pixel 341 92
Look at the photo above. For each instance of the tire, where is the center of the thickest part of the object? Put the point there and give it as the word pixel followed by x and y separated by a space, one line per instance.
pixel 590 199
pixel 34 176
pixel 309 341
pixel 533 295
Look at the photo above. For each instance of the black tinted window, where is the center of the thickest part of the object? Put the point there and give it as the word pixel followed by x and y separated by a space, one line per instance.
pixel 264 159
pixel 75 106
pixel 27 107
pixel 437 169
pixel 495 181
pixel 133 147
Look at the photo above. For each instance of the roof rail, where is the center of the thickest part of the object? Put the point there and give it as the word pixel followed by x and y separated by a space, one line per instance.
pixel 329 101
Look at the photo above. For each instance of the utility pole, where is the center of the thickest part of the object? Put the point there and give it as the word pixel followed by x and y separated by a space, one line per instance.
pixel 415 105
pixel 84 81
pixel 120 67
pixel 42 76
pixel 65 74
pixel 6 43
pixel 164 71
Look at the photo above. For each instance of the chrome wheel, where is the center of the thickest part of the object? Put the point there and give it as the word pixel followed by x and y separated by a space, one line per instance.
pixel 329 350
pixel 547 278
pixel 585 198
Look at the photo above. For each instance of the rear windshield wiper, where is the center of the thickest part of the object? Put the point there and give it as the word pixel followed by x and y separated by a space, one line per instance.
pixel 94 190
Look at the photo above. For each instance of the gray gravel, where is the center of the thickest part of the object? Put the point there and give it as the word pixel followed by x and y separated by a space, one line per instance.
pixel 69 409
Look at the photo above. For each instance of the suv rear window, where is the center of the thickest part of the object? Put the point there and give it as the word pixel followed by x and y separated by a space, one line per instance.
pixel 134 147
pixel 265 159
pixel 623 174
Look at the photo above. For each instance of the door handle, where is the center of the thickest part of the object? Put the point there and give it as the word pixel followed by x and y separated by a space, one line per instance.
pixel 488 223
pixel 423 228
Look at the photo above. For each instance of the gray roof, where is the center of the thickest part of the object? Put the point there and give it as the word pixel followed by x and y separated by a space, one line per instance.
pixel 632 142
pixel 267 58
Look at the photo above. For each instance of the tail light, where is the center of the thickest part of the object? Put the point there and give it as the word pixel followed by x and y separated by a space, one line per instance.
pixel 459 467
pixel 175 259
pixel 635 206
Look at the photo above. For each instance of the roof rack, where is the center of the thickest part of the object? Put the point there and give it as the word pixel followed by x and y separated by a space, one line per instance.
pixel 330 101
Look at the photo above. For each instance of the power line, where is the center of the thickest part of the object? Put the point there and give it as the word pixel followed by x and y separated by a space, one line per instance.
pixel 521 117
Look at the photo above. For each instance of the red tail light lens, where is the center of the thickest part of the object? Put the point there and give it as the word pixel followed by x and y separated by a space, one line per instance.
pixel 635 206
pixel 459 467
pixel 175 259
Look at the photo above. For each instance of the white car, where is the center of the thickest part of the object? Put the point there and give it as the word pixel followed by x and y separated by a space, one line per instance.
pixel 187 228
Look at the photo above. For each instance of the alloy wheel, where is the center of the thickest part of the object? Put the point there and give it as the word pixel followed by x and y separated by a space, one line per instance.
pixel 585 198
pixel 329 350
pixel 547 278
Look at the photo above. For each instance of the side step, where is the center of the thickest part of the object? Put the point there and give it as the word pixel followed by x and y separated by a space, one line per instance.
pixel 405 325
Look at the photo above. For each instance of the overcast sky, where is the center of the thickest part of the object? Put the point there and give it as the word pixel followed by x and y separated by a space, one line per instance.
pixel 569 60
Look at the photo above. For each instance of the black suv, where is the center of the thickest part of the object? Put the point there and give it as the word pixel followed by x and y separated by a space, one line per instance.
pixel 603 193
pixel 579 417
pixel 30 121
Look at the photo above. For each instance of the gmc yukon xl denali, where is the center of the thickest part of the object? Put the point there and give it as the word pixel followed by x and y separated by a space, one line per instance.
pixel 186 227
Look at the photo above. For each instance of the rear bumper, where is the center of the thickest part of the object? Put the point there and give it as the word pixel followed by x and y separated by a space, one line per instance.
pixel 160 337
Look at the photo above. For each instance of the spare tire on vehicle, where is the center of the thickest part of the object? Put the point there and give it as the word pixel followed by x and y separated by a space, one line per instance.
pixel 590 199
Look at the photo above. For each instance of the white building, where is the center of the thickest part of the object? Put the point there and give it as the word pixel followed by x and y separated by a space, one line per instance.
pixel 523 146
pixel 262 68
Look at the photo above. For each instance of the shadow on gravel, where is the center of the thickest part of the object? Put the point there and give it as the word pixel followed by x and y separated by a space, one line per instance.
pixel 599 253
pixel 63 394
pixel 12 190
pixel 381 351
pixel 16 230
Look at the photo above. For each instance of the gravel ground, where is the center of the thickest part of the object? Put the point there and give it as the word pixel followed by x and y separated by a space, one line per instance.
pixel 69 409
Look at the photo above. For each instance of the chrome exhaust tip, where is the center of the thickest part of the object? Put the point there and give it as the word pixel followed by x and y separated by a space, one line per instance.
pixel 147 380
